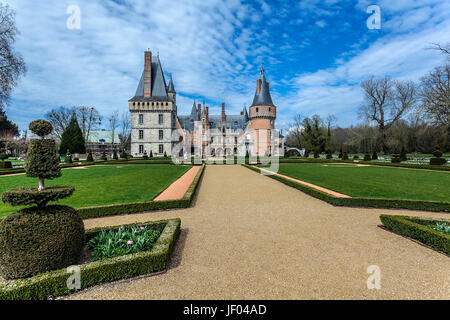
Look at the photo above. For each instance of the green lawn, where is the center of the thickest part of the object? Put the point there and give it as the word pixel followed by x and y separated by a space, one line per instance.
pixel 374 182
pixel 103 185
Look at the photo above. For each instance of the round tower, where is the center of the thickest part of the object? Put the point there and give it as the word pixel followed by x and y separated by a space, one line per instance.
pixel 262 115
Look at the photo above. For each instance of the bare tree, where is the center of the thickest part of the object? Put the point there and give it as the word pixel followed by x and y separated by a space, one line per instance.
pixel 294 137
pixel 88 119
pixel 12 65
pixel 435 95
pixel 59 118
pixel 386 101
pixel 113 124
pixel 125 134
pixel 445 50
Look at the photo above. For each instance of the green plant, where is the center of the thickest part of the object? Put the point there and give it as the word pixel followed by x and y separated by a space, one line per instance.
pixel 165 154
pixel 417 229
pixel 115 156
pixel 41 238
pixel 396 158
pixel 367 157
pixel 340 154
pixel 31 241
pixel 104 157
pixel 355 157
pixel 89 157
pixel 345 156
pixel 145 156
pixel 438 161
pixel 442 227
pixel 374 155
pixel 403 156
pixel 151 154
pixel 72 138
pixel 114 243
pixel 55 282
pixel 68 158
pixel 3 156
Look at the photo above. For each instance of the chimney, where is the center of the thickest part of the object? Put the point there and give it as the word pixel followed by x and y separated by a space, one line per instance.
pixel 148 74
pixel 223 112
pixel 199 111
pixel 207 115
pixel 258 86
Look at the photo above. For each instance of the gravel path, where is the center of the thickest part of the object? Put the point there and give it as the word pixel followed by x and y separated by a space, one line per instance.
pixel 251 237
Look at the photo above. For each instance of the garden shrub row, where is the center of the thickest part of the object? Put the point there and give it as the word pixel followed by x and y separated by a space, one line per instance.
pixel 363 202
pixel 416 228
pixel 54 283
pixel 374 163
pixel 116 209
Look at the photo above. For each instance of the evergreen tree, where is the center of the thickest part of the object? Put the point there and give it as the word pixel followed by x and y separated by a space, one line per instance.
pixel 72 138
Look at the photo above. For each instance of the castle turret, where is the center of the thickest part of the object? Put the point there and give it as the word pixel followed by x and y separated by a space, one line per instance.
pixel 262 117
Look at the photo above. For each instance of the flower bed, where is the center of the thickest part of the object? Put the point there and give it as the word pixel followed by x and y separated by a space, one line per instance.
pixel 55 283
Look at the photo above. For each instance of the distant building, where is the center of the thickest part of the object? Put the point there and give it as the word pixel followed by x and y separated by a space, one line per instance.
pixel 100 141
pixel 154 119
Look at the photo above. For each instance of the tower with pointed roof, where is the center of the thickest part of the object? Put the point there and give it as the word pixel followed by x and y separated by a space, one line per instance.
pixel 153 111
pixel 262 115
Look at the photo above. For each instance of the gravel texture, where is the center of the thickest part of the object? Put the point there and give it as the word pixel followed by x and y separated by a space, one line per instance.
pixel 251 237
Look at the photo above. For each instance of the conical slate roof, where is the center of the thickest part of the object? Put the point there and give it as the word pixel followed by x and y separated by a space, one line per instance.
pixel 245 114
pixel 263 98
pixel 194 113
pixel 159 88
pixel 171 88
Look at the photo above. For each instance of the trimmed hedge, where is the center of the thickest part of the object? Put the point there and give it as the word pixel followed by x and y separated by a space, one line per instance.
pixel 116 209
pixel 363 202
pixel 30 196
pixel 54 283
pixel 35 240
pixel 416 228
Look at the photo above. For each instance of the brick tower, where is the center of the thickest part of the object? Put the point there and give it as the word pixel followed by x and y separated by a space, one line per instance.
pixel 262 118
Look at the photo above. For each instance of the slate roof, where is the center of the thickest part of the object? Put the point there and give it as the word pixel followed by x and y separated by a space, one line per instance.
pixel 263 98
pixel 171 88
pixel 159 87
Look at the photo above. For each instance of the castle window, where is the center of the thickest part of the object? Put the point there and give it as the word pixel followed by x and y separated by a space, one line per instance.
pixel 167 103
pixel 270 109
pixel 160 119
pixel 141 134
pixel 141 148
pixel 257 109
pixel 134 103
pixel 235 140
pixel 148 103
pixel 153 104
pixel 141 119
pixel 139 104
pixel 161 148
pixel 161 134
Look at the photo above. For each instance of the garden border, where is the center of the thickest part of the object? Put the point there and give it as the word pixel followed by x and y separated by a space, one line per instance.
pixel 134 207
pixel 54 283
pixel 413 228
pixel 433 206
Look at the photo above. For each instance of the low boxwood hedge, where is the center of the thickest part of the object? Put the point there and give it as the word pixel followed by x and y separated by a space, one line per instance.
pixel 54 283
pixel 116 209
pixel 363 202
pixel 416 228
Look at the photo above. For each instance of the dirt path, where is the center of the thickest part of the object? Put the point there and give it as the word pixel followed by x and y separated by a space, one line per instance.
pixel 177 189
pixel 251 237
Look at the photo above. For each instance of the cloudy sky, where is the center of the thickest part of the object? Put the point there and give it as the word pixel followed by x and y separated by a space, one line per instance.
pixel 315 52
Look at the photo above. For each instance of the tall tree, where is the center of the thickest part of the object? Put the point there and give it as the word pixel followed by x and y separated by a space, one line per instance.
pixel 113 124
pixel 12 65
pixel 72 138
pixel 294 137
pixel 88 118
pixel 7 127
pixel 386 101
pixel 314 135
pixel 125 134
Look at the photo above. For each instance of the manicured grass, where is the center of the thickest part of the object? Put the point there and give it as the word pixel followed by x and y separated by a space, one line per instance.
pixel 103 185
pixel 374 182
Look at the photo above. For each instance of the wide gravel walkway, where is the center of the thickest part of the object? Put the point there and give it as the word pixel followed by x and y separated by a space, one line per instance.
pixel 251 237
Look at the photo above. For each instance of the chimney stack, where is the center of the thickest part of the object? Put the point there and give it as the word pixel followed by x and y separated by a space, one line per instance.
pixel 223 112
pixel 199 111
pixel 258 86
pixel 148 74
pixel 207 116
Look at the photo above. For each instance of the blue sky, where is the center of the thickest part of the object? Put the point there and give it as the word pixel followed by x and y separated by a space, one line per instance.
pixel 315 52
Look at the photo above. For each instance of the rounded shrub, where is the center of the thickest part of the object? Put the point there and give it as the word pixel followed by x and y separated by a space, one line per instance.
pixel 367 157
pixel 6 165
pixel 374 155
pixel 438 161
pixel 42 161
pixel 437 153
pixel 34 240
pixel 396 158
pixel 355 157
pixel 41 127
pixel 30 196
pixel 145 155
pixel 3 156
pixel 345 156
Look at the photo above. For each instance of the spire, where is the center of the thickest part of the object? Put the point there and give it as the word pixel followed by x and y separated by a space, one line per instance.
pixel 194 113
pixel 245 114
pixel 171 88
pixel 262 96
